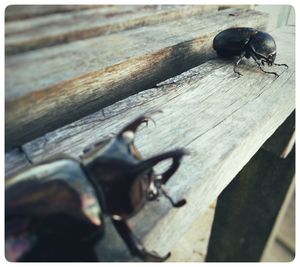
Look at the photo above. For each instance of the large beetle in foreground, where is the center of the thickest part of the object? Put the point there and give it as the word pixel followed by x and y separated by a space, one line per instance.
pixel 247 42
pixel 53 211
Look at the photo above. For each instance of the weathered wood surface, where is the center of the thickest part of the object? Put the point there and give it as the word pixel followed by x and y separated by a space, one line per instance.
pixel 247 209
pixel 223 120
pixel 15 161
pixel 286 232
pixel 283 140
pixel 16 12
pixel 192 246
pixel 24 35
pixel 278 253
pixel 281 243
pixel 49 87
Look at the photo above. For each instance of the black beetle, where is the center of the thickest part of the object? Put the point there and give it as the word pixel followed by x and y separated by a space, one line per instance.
pixel 247 42
pixel 53 210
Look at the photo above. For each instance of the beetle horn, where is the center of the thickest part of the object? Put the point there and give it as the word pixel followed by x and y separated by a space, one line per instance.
pixel 132 127
pixel 175 155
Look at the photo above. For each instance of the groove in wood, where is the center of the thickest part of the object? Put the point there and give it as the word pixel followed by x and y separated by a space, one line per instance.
pixel 17 12
pixel 56 29
pixel 50 87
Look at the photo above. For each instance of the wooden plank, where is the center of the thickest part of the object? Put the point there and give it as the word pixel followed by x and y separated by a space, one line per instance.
pixel 281 242
pixel 56 29
pixel 192 246
pixel 283 139
pixel 247 209
pixel 287 232
pixel 209 111
pixel 60 84
pixel 283 232
pixel 17 12
pixel 278 253
pixel 15 161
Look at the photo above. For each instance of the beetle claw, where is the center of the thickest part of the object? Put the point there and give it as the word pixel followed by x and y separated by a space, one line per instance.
pixel 237 72
pixel 177 204
pixel 138 121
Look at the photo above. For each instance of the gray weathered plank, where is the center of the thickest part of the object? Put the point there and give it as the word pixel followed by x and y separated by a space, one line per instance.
pixel 24 35
pixel 278 253
pixel 192 246
pixel 223 120
pixel 281 243
pixel 15 161
pixel 286 231
pixel 50 87
pixel 283 140
pixel 17 12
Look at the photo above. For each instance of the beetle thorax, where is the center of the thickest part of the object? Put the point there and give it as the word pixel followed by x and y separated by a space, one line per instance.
pixel 263 46
pixel 122 188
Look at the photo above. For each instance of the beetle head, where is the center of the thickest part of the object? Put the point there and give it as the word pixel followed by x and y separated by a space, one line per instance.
pixel 271 58
pixel 264 47
pixel 122 178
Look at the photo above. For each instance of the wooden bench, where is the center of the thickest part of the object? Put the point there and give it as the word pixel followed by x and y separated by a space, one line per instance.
pixel 75 85
pixel 80 77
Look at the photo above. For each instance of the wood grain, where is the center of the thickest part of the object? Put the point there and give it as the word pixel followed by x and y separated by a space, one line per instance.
pixel 17 12
pixel 50 87
pixel 223 120
pixel 15 161
pixel 24 35
pixel 192 246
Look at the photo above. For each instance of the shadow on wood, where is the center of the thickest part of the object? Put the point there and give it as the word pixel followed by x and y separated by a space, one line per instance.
pixel 247 209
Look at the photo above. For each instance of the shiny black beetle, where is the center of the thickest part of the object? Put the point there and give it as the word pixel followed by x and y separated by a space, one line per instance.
pixel 247 42
pixel 53 211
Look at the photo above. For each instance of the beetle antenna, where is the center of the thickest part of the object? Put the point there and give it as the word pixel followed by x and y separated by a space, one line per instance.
pixel 177 204
pixel 269 72
pixel 285 65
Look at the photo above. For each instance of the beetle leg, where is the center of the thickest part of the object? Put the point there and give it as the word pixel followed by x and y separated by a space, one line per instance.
pixel 238 62
pixel 269 72
pixel 259 65
pixel 156 190
pixel 177 204
pixel 135 246
pixel 153 192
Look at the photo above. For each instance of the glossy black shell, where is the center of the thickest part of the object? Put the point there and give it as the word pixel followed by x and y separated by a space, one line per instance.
pixel 51 205
pixel 234 41
pixel 263 44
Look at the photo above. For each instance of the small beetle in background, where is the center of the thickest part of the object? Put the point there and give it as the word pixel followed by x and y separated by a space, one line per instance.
pixel 53 210
pixel 247 42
